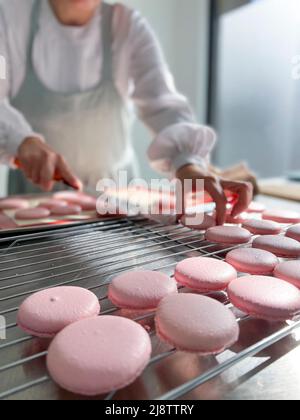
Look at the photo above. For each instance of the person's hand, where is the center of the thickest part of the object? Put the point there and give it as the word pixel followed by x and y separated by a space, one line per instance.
pixel 42 165
pixel 216 187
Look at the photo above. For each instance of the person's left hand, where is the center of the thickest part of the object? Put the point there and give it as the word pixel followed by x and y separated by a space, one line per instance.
pixel 216 187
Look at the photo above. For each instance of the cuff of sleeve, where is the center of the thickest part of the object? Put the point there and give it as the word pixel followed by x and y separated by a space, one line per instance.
pixel 187 159
pixel 17 138
pixel 12 145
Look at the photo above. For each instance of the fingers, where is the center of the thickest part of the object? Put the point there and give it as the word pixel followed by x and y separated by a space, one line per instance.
pixel 244 191
pixel 67 175
pixel 215 190
pixel 47 172
pixel 41 164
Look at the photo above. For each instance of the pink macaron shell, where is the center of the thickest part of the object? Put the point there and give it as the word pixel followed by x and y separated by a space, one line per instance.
pixel 228 235
pixel 13 204
pixel 265 297
pixel 67 195
pixel 204 274
pixel 140 289
pixel 192 221
pixel 294 233
pixel 86 203
pixel 256 207
pixel 69 210
pixel 46 313
pixel 282 216
pixel 262 227
pixel 279 245
pixel 196 324
pixel 252 261
pixel 51 203
pixel 98 356
pixel 289 271
pixel 36 213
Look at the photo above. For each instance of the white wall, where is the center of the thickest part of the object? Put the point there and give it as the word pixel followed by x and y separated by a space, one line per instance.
pixel 258 100
pixel 181 26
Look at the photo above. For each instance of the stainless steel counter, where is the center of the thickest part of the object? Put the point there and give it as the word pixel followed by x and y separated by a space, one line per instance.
pixel 264 364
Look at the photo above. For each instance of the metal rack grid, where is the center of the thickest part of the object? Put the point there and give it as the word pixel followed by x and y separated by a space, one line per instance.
pixel 90 255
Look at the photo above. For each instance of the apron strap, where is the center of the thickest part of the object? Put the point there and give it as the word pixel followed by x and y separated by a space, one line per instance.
pixel 107 41
pixel 35 13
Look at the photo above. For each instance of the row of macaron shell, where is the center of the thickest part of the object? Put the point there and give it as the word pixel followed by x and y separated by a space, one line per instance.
pixel 147 290
pixel 61 204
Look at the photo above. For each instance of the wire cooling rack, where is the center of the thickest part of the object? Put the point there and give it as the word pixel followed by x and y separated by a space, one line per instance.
pixel 90 255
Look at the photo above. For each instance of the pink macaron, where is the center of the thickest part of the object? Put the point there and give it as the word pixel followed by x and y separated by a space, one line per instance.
pixel 252 261
pixel 192 221
pixel 294 233
pixel 67 195
pixel 51 203
pixel 279 245
pixel 204 274
pixel 32 214
pixel 282 216
pixel 265 297
pixel 86 202
pixel 262 227
pixel 98 356
pixel 289 271
pixel 140 290
pixel 46 313
pixel 13 204
pixel 69 210
pixel 228 235
pixel 256 207
pixel 196 324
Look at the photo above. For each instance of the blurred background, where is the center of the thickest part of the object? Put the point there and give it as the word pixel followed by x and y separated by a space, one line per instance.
pixel 238 63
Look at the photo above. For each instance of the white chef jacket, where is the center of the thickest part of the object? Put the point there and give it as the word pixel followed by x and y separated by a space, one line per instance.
pixel 68 59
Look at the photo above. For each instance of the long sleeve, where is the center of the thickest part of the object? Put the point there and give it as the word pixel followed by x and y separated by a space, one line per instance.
pixel 13 126
pixel 178 139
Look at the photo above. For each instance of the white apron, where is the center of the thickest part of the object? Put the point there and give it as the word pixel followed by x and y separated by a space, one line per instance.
pixel 90 129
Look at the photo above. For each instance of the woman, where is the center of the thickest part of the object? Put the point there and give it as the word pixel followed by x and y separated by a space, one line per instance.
pixel 74 68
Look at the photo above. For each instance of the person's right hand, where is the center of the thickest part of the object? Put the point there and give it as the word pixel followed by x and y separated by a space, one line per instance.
pixel 41 165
